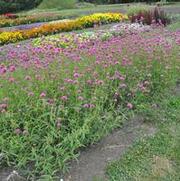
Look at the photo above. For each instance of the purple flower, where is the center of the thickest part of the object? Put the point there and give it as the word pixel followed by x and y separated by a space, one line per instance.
pixel 42 95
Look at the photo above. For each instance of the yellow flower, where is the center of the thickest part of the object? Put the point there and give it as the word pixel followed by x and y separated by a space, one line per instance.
pixel 52 28
pixel 7 37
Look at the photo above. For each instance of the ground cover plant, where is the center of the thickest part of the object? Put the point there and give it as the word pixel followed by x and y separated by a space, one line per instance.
pixel 56 99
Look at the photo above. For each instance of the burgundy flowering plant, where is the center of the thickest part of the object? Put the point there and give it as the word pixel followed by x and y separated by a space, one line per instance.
pixel 154 16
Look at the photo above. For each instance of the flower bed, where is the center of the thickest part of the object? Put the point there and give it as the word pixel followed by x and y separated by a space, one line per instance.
pixel 71 39
pixel 8 22
pixel 54 100
pixel 79 23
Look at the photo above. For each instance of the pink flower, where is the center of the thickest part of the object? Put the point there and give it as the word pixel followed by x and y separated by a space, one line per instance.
pixel 50 101
pixel 3 70
pixel 38 77
pixel 17 131
pixel 3 106
pixel 80 98
pixel 64 98
pixel 43 94
pixel 122 86
pixel 129 105
pixel 58 123
pixel 116 94
pixel 76 75
pixel 62 88
pixel 88 105
pixel 99 82
pixel 79 91
pixel 89 82
pixel 27 78
pixel 12 68
pixel 11 79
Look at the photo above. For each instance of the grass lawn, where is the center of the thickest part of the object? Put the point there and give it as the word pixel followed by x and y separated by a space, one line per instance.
pixel 89 10
pixel 156 158
pixel 174 26
pixel 78 12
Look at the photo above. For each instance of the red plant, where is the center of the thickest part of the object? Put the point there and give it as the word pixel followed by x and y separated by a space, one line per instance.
pixel 155 16
pixel 10 15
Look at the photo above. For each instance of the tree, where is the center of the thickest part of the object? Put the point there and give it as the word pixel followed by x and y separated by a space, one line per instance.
pixel 7 6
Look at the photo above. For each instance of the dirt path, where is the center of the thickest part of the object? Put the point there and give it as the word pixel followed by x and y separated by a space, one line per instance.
pixel 92 161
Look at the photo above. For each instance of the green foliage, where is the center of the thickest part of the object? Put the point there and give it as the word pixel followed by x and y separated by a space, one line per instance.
pixel 60 4
pixel 17 5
